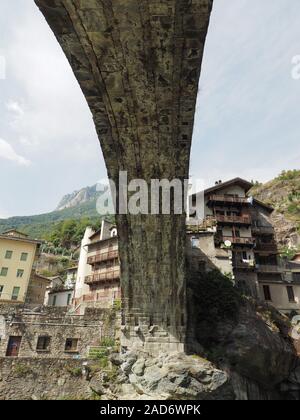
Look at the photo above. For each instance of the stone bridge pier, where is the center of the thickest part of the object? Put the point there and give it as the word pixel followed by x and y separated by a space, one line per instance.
pixel 138 64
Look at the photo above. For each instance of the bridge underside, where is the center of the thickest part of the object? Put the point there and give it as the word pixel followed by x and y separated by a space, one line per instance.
pixel 138 64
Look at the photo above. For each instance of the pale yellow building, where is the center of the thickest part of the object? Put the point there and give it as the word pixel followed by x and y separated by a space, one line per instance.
pixel 17 257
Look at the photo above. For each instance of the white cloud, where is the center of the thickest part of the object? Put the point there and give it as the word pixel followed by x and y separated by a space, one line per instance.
pixel 25 141
pixel 57 116
pixel 7 152
pixel 15 107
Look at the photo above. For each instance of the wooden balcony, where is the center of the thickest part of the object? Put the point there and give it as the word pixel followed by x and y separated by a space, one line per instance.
pixel 262 230
pixel 228 199
pixel 239 241
pixel 105 256
pixel 269 268
pixel 270 247
pixel 238 220
pixel 106 276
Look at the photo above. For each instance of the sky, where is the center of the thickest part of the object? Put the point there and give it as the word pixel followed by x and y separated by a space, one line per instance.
pixel 247 115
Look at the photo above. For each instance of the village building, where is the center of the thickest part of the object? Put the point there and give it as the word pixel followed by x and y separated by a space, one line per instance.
pixel 98 277
pixel 61 297
pixel 18 254
pixel 56 283
pixel 285 296
pixel 37 289
pixel 244 234
pixel 71 275
pixel 52 333
pixel 235 237
pixel 60 292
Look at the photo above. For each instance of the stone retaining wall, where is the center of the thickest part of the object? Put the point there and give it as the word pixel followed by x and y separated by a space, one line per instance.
pixel 42 379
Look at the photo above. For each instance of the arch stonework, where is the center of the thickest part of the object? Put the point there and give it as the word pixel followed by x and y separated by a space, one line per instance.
pixel 138 64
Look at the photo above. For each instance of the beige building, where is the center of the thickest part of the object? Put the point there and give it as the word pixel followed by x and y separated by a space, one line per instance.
pixel 18 254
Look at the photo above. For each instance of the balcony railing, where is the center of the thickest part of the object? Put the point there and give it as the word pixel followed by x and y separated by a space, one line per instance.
pixel 207 223
pixel 240 265
pixel 241 220
pixel 103 277
pixel 104 256
pixel 228 199
pixel 239 241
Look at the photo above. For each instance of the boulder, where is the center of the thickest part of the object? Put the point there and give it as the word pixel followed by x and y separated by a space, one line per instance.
pixel 175 376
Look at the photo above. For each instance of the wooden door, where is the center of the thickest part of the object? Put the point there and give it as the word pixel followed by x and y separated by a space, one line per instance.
pixel 13 347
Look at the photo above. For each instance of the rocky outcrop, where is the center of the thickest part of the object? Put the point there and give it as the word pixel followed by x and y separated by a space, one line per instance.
pixel 78 197
pixel 287 233
pixel 247 339
pixel 258 349
pixel 177 376
pixel 283 193
pixel 167 376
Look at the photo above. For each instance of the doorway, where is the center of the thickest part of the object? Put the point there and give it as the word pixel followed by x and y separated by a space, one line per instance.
pixel 13 346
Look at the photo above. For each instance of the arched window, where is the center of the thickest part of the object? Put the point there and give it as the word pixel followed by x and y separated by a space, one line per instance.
pixel 114 233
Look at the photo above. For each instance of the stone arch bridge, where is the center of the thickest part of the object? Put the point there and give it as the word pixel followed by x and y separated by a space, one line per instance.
pixel 138 64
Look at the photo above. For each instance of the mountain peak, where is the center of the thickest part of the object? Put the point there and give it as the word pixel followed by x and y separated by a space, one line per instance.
pixel 78 197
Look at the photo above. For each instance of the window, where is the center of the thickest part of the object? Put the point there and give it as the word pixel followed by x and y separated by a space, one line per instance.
pixel 195 242
pixel 236 233
pixel 24 256
pixel 69 299
pixel 54 300
pixel 13 346
pixel 1 290
pixel 43 343
pixel 290 292
pixel 296 276
pixel 267 293
pixel 4 271
pixel 20 273
pixel 15 293
pixel 202 266
pixel 71 344
pixel 114 233
pixel 8 255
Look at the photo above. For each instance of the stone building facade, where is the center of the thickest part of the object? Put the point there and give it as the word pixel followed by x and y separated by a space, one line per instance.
pixel 52 332
pixel 37 289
